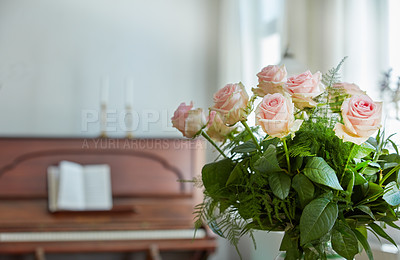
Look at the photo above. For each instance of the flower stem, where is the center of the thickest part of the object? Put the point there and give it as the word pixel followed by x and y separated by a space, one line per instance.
pixel 347 163
pixel 348 158
pixel 287 154
pixel 205 135
pixel 395 169
pixel 251 134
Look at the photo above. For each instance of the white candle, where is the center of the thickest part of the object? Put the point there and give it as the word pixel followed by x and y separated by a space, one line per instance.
pixel 129 92
pixel 105 84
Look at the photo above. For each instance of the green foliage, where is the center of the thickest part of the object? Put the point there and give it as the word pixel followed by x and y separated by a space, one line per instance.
pixel 378 230
pixel 313 186
pixel 304 188
pixel 247 147
pixel 392 194
pixel 315 139
pixel 215 176
pixel 268 161
pixel 333 191
pixel 364 242
pixel 332 76
pixel 320 172
pixel 317 219
pixel 344 241
pixel 280 184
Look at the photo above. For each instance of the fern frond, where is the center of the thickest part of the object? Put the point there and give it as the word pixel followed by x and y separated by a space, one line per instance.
pixel 332 76
pixel 302 149
pixel 231 225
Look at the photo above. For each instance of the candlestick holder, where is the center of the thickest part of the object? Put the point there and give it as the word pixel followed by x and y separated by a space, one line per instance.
pixel 103 120
pixel 129 121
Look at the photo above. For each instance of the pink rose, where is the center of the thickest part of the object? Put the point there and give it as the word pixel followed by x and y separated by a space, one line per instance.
pixel 349 88
pixel 361 116
pixel 275 115
pixel 231 102
pixel 271 80
pixel 304 88
pixel 189 121
pixel 216 128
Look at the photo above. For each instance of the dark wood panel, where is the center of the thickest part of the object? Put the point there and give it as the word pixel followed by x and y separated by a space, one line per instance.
pixel 33 215
pixel 137 169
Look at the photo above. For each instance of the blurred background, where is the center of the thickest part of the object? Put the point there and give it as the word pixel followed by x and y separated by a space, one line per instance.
pixel 60 59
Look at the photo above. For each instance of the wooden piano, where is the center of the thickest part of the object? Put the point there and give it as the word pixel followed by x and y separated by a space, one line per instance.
pixel 151 211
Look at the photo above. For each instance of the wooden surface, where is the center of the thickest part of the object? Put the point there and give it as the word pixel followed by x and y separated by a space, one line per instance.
pixel 145 187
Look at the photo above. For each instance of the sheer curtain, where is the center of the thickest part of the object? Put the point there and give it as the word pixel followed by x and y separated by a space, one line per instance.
pixel 250 38
pixel 318 34
pixel 321 32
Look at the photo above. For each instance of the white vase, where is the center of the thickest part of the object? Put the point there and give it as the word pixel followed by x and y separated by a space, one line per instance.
pixel 330 254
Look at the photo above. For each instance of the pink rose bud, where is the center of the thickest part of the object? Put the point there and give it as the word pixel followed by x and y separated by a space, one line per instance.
pixel 349 88
pixel 304 87
pixel 231 103
pixel 361 116
pixel 216 129
pixel 275 115
pixel 187 120
pixel 271 80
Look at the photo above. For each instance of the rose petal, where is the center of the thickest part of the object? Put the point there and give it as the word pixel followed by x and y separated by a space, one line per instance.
pixel 195 121
pixel 340 131
pixel 274 127
pixel 231 102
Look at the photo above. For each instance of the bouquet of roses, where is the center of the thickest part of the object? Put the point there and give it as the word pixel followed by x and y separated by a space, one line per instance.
pixel 309 167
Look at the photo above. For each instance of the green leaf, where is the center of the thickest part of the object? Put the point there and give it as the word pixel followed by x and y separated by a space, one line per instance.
pixel 310 254
pixel 286 242
pixel 246 147
pixel 390 223
pixel 350 186
pixel 296 163
pixel 215 228
pixel 280 184
pixel 293 253
pixel 320 172
pixel 359 179
pixel 268 162
pixel 394 146
pixel 317 219
pixel 370 170
pixel 363 150
pixel 382 233
pixel 344 241
pixel 364 242
pixel 395 158
pixel 374 189
pixel 289 243
pixel 361 165
pixel 235 175
pixel 304 188
pixel 216 174
pixel 374 164
pixel 366 210
pixel 389 165
pixel 392 194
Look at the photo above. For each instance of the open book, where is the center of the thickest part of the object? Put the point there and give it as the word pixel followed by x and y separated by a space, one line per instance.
pixel 72 186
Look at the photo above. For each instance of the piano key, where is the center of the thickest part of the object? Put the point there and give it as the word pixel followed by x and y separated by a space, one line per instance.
pixel 101 235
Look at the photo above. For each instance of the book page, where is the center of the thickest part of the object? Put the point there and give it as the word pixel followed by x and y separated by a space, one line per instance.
pixel 97 187
pixel 71 187
pixel 53 179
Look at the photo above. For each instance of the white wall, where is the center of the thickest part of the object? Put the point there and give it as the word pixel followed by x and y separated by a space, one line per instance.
pixel 53 55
